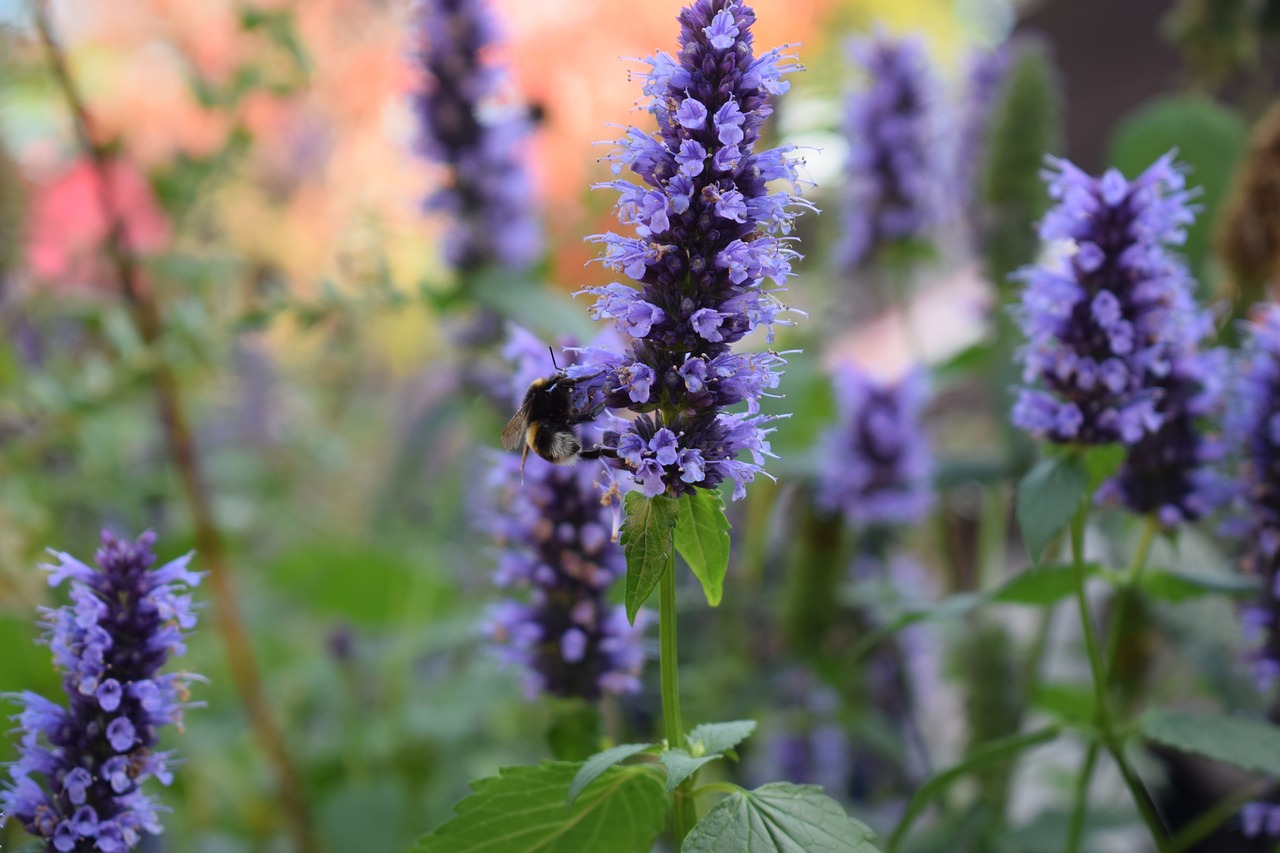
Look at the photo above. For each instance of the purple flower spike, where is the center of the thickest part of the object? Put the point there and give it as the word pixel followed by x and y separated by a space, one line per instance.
pixel 489 198
pixel 1254 427
pixel 879 468
pixel 77 783
pixel 895 162
pixel 709 234
pixel 554 535
pixel 1110 318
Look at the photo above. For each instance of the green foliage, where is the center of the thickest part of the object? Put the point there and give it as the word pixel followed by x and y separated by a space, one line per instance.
pixel 1026 126
pixel 1048 497
pixel 779 818
pixel 1041 586
pixel 1209 139
pixel 1182 585
pixel 719 737
pixel 681 765
pixel 1251 744
pixel 647 540
pixel 523 809
pixel 702 538
pixel 989 754
pixel 1218 38
pixel 597 764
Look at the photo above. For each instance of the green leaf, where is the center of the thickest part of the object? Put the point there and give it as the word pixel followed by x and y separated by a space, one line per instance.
pixel 1047 498
pixel 1071 703
pixel 523 810
pixel 702 538
pixel 681 765
pixel 719 737
pixel 600 762
pixel 647 541
pixel 990 753
pixel 1178 586
pixel 779 817
pixel 1251 744
pixel 1041 586
pixel 1102 461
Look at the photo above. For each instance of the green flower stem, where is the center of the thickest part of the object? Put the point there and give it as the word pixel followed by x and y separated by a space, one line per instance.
pixel 1115 631
pixel 681 800
pixel 1076 828
pixel 1113 743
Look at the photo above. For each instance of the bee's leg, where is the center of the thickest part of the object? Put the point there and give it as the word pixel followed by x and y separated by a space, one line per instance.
pixel 598 452
pixel 587 416
pixel 523 457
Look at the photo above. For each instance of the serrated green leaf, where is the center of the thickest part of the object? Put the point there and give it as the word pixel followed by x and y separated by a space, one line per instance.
pixel 600 762
pixel 681 765
pixel 1047 498
pixel 990 753
pixel 1041 586
pixel 719 737
pixel 523 809
pixel 702 538
pixel 779 817
pixel 647 542
pixel 1177 586
pixel 1251 744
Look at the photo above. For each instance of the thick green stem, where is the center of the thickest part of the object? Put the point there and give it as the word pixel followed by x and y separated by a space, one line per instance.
pixel 1113 744
pixel 681 798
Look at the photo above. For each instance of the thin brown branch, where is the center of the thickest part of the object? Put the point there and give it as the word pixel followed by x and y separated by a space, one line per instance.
pixel 209 542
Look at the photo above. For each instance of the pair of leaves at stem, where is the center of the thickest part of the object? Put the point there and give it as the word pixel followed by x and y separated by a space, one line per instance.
pixel 694 525
pixel 601 805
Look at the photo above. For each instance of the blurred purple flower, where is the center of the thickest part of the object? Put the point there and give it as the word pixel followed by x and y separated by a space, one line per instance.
pixel 984 75
pixel 1260 818
pixel 896 168
pixel 1110 316
pixel 77 781
pixel 554 531
pixel 1254 427
pixel 877 467
pixel 463 127
pixel 706 227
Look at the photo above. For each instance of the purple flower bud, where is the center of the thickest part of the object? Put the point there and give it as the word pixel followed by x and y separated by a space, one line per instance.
pixel 877 468
pixel 61 790
pixel 1109 319
pixel 711 238
pixel 489 196
pixel 895 162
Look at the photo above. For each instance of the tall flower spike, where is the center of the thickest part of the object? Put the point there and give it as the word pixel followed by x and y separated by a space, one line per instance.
pixel 878 466
pixel 708 234
pixel 895 169
pixel 1254 427
pixel 985 74
pixel 1108 317
pixel 78 780
pixel 553 533
pixel 490 195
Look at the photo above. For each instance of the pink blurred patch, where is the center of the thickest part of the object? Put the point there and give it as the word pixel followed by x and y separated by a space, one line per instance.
pixel 69 226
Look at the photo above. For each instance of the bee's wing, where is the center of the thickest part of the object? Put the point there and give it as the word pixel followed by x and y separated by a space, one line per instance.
pixel 513 432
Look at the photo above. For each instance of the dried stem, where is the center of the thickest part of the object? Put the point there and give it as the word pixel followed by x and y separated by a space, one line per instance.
pixel 213 557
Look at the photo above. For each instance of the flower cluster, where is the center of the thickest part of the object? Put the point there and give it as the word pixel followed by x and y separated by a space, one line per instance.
pixel 78 781
pixel 554 534
pixel 490 195
pixel 809 745
pixel 707 229
pixel 878 466
pixel 1110 315
pixel 895 161
pixel 1260 818
pixel 1254 427
pixel 1171 472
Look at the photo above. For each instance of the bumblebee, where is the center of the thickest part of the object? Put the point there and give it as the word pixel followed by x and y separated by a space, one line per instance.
pixel 545 420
